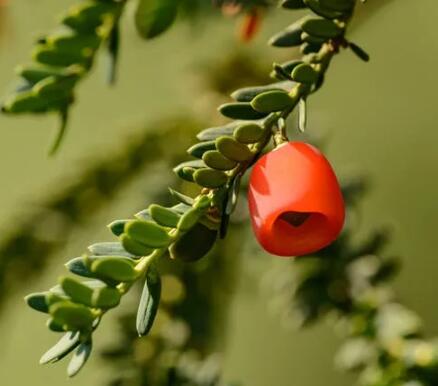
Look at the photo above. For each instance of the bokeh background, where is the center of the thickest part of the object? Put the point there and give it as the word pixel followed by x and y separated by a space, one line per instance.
pixel 378 119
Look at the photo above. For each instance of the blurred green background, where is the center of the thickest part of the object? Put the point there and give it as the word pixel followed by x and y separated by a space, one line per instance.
pixel 378 118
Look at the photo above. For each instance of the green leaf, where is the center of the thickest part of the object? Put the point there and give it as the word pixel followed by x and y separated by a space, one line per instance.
pixel 322 27
pixel 248 133
pixel 310 48
pixel 114 268
pixel 164 216
pixel 34 73
pixel 117 227
pixel 24 102
pixel 53 57
pixel 61 349
pixel 109 249
pixel 54 326
pixel 194 244
pixel 359 52
pixel 293 4
pixel 186 169
pixel 73 42
pixel 338 5
pixel 67 313
pixel 147 233
pixel 210 178
pixel 247 94
pixel 287 68
pixel 199 149
pixel 106 297
pixel 213 132
pixel 79 267
pixel 77 291
pixel 318 8
pixel 153 17
pixel 240 110
pixel 149 301
pixel 54 87
pixel 316 40
pixel 37 301
pixel 290 36
pixel 189 219
pixel 271 101
pixel 216 160
pixel 233 150
pixel 304 73
pixel 182 198
pixel 79 358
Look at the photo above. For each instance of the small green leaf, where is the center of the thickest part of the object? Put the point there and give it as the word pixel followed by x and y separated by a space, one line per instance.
pixel 148 233
pixel 338 5
pixel 106 297
pixel 271 101
pixel 213 132
pixel 79 267
pixel 288 68
pixel 310 48
pixel 233 150
pixel 72 315
pixel 117 227
pixel 359 52
pixel 149 301
pixel 216 160
pixel 181 197
pixel 290 36
pixel 185 170
pixel 53 87
pixel 322 27
pixel 248 133
pixel 304 73
pixel 61 349
pixel 189 219
pixel 114 268
pixel 37 301
pixel 73 42
pixel 78 292
pixel 210 178
pixel 319 9
pixel 199 149
pixel 24 102
pixel 52 57
pixel 109 249
pixel 240 110
pixel 153 17
pixel 293 4
pixel 316 40
pixel 164 216
pixel 54 326
pixel 247 94
pixel 79 358
pixel 194 244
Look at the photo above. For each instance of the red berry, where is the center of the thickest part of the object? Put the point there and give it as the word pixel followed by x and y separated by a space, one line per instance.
pixel 295 202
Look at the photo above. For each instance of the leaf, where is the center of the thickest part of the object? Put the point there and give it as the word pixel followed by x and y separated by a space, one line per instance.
pixel 302 115
pixel 77 291
pixel 79 358
pixel 37 301
pixel 61 349
pixel 318 8
pixel 210 178
pixel 149 301
pixel 216 160
pixel 194 244
pixel 73 42
pixel 153 17
pixel 134 247
pixel 62 129
pixel 53 57
pixel 189 219
pixel 148 233
pixel 185 170
pixel 24 102
pixel 359 52
pixel 310 48
pixel 248 133
pixel 240 110
pixel 117 227
pixel 338 5
pixel 114 268
pixel 79 267
pixel 247 94
pixel 106 297
pixel 290 36
pixel 213 132
pixel 164 216
pixel 271 101
pixel 109 249
pixel 75 316
pixel 199 149
pixel 304 73
pixel 293 4
pixel 322 27
pixel 181 197
pixel 233 150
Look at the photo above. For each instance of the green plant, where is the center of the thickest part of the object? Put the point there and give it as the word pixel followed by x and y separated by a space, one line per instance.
pixel 341 278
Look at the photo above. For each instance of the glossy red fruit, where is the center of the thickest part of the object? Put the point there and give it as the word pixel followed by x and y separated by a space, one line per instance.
pixel 295 202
